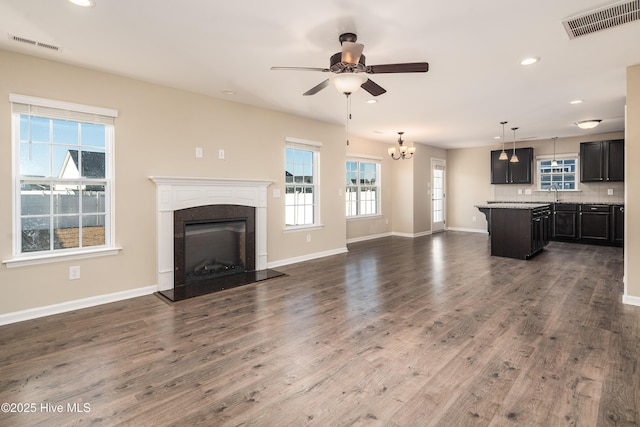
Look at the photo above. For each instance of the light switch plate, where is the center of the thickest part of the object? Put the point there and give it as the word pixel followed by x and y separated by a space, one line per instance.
pixel 610 192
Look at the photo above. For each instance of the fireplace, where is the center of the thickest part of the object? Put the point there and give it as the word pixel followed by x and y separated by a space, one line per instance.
pixel 214 249
pixel 196 218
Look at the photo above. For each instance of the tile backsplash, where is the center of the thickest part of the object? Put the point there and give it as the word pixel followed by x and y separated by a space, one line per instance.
pixel 592 192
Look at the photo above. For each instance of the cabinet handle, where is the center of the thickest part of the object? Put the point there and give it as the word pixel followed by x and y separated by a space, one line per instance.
pixel 621 209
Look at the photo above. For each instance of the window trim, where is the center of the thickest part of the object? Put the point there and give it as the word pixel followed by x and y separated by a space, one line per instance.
pixel 565 156
pixel 363 158
pixel 66 111
pixel 315 147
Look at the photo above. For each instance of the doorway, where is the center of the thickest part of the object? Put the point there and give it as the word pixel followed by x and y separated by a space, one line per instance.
pixel 438 212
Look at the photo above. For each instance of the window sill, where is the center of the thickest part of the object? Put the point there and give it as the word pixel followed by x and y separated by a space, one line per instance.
pixel 296 228
pixel 361 217
pixel 26 260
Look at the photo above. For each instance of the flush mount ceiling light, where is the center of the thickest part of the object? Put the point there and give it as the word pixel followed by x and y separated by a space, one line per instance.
pixel 371 101
pixel 83 3
pixel 529 61
pixel 588 124
pixel 403 151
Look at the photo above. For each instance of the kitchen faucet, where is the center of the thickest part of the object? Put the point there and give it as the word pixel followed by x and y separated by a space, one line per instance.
pixel 554 188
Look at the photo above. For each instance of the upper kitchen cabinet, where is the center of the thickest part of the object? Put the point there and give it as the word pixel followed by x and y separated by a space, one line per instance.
pixel 505 172
pixel 602 161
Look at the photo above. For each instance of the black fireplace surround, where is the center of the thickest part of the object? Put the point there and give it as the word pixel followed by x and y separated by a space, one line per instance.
pixel 214 249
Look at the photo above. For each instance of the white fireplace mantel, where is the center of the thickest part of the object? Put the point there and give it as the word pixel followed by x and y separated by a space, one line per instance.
pixel 174 193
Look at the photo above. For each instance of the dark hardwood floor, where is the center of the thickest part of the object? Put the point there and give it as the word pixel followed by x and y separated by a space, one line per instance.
pixel 398 332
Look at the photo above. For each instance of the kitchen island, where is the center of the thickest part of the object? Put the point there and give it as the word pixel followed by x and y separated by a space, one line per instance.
pixel 517 230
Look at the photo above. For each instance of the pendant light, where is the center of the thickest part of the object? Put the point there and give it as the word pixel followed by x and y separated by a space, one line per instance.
pixel 514 157
pixel 554 162
pixel 503 155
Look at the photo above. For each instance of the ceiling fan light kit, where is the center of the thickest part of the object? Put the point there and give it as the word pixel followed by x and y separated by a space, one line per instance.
pixel 348 83
pixel 588 124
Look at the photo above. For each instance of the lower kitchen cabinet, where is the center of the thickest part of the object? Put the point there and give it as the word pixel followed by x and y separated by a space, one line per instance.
pixel 519 233
pixel 564 223
pixel 595 223
pixel 588 223
pixel 617 229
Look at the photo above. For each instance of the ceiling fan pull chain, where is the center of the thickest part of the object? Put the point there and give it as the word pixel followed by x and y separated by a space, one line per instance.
pixel 348 114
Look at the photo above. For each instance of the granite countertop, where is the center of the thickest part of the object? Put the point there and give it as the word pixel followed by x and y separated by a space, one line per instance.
pixel 586 202
pixel 513 205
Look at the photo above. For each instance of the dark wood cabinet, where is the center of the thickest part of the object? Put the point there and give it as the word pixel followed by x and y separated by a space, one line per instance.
pixel 519 233
pixel 505 172
pixel 564 221
pixel 595 223
pixel 617 229
pixel 602 161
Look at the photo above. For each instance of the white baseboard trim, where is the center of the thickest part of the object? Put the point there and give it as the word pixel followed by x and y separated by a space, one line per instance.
pixel 34 313
pixel 370 237
pixel 469 230
pixel 308 257
pixel 631 300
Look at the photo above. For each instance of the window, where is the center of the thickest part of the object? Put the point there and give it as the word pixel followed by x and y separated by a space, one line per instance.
pixel 62 176
pixel 301 183
pixel 563 176
pixel 362 188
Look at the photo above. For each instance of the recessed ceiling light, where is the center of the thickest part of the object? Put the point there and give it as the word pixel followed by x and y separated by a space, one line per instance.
pixel 83 3
pixel 497 137
pixel 371 101
pixel 576 101
pixel 229 92
pixel 529 61
pixel 378 132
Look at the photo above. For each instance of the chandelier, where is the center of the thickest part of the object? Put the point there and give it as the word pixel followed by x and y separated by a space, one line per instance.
pixel 402 151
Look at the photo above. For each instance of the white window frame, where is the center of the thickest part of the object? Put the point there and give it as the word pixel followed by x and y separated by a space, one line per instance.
pixel 314 147
pixel 566 156
pixel 370 160
pixel 41 107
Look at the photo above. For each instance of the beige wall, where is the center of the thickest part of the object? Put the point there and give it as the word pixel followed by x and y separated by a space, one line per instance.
pixel 468 184
pixel 422 186
pixel 632 179
pixel 157 131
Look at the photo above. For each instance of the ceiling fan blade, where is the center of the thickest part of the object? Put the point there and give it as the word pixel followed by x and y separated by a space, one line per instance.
pixel 373 88
pixel 351 52
pixel 317 88
pixel 324 70
pixel 407 67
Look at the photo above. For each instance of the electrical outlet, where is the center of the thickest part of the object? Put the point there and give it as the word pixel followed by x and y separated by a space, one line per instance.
pixel 276 192
pixel 221 154
pixel 610 192
pixel 198 152
pixel 473 218
pixel 527 191
pixel 520 191
pixel 308 238
pixel 74 272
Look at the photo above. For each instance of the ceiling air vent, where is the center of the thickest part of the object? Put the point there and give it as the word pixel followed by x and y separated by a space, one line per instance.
pixel 33 42
pixel 602 18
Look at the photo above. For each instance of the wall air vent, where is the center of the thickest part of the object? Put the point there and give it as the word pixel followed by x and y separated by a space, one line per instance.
pixel 602 18
pixel 27 41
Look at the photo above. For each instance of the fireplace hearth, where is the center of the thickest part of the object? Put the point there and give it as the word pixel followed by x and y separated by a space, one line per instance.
pixel 212 235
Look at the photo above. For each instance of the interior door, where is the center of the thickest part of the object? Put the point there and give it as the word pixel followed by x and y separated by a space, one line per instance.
pixel 438 212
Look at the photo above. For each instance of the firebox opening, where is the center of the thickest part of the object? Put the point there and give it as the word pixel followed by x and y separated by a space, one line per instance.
pixel 214 249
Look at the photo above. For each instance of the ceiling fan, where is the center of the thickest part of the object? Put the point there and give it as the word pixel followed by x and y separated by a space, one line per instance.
pixel 348 69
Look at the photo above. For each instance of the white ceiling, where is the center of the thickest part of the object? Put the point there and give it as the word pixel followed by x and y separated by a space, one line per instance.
pixel 473 48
